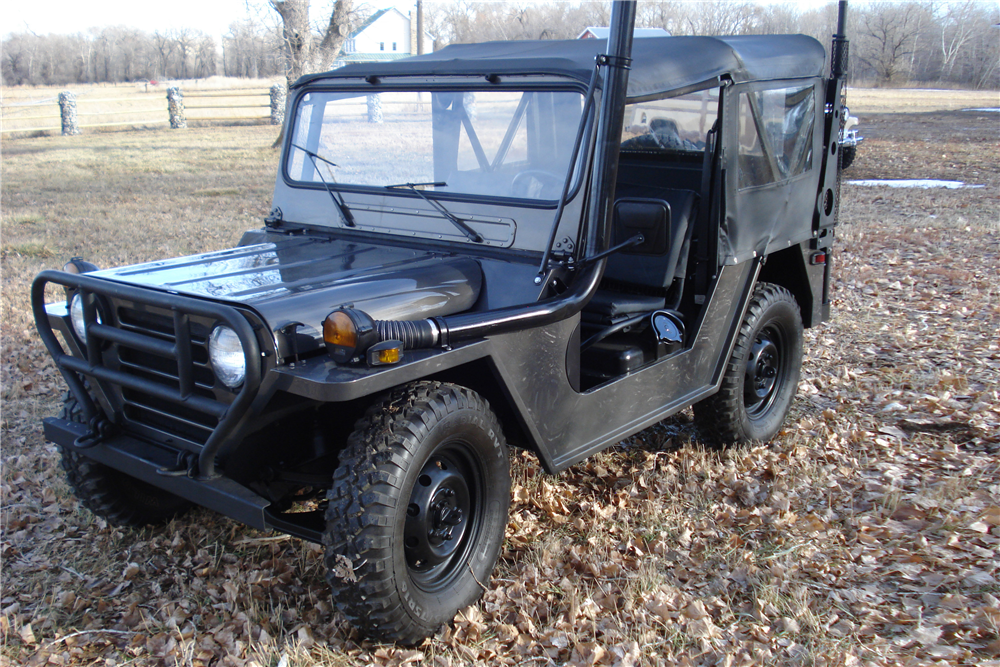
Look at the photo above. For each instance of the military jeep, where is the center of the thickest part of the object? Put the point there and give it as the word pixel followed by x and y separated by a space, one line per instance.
pixel 542 245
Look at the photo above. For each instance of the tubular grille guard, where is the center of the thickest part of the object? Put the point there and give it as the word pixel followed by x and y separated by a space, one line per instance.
pixel 92 365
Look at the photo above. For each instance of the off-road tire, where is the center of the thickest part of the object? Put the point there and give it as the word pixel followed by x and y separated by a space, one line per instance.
pixel 108 493
pixel 762 373
pixel 847 155
pixel 407 458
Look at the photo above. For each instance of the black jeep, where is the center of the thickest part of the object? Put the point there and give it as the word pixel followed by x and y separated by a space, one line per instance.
pixel 546 245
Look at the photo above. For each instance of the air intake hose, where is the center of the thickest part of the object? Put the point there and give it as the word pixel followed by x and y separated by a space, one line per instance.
pixel 414 334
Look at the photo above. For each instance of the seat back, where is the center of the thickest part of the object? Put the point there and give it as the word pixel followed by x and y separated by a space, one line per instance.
pixel 664 217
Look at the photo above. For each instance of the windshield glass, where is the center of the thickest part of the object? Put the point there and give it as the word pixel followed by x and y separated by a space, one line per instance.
pixel 488 143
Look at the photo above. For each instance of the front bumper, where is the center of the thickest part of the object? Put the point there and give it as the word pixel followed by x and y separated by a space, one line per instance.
pixel 156 465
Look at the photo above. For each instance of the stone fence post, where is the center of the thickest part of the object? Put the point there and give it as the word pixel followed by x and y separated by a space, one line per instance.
pixel 375 108
pixel 67 110
pixel 175 105
pixel 278 93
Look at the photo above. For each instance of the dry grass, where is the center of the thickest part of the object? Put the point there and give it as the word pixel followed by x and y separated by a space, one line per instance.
pixel 867 533
pixel 917 100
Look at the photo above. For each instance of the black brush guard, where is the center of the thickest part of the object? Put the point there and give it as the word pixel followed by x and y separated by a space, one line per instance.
pixel 91 364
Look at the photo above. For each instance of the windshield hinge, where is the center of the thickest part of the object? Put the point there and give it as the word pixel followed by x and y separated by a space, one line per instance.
pixel 274 217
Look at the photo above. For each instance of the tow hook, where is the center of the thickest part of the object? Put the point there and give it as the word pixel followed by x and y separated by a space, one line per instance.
pixel 100 429
pixel 186 464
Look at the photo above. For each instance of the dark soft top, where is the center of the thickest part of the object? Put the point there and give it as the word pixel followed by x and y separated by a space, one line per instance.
pixel 659 64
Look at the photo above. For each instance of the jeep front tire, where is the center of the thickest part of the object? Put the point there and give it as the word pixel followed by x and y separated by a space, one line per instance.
pixel 417 512
pixel 109 493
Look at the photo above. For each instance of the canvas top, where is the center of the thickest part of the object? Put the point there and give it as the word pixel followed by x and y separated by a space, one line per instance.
pixel 659 64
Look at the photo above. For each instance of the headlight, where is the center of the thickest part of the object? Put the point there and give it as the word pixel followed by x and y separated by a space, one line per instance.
pixel 76 316
pixel 348 333
pixel 225 351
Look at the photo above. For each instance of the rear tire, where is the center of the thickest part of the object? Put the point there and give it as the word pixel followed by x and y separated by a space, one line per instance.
pixel 109 493
pixel 762 375
pixel 417 512
pixel 847 155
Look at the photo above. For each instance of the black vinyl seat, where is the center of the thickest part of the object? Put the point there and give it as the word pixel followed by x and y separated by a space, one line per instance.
pixel 607 306
pixel 642 275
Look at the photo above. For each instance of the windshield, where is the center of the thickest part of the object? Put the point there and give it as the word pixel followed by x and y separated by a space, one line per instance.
pixel 487 143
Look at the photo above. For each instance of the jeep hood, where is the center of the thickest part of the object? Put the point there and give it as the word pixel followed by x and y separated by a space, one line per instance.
pixel 301 279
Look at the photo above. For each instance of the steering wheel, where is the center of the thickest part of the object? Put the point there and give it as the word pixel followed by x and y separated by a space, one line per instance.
pixel 536 184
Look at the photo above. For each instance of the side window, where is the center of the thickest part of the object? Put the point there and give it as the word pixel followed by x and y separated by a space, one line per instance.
pixel 786 117
pixel 755 168
pixel 676 124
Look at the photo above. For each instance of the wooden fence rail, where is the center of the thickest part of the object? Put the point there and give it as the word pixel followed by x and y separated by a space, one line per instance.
pixel 67 113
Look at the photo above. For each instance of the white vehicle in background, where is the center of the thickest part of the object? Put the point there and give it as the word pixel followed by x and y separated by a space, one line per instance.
pixel 849 140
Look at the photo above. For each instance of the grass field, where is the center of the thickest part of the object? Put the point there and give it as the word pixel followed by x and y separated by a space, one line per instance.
pixel 867 533
pixel 915 100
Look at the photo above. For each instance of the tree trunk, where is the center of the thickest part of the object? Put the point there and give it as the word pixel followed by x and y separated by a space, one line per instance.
pixel 296 34
pixel 336 34
pixel 301 56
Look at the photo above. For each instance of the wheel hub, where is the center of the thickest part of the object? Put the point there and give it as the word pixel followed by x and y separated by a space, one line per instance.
pixel 763 367
pixel 436 516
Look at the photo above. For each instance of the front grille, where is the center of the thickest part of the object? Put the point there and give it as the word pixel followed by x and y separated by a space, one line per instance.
pixel 147 353
pixel 146 409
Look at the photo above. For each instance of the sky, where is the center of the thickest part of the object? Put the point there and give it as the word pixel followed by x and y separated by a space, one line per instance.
pixel 210 16
pixel 71 16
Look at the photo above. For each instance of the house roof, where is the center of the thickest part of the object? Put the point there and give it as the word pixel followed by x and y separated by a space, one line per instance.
pixel 604 33
pixel 659 64
pixel 371 19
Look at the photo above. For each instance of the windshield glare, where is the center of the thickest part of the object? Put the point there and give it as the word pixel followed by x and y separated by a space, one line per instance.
pixel 489 143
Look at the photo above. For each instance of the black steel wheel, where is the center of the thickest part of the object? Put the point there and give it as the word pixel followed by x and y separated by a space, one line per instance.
pixel 109 493
pixel 417 512
pixel 762 374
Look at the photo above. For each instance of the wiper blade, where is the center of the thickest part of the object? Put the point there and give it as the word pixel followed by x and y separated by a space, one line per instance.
pixel 345 213
pixel 458 222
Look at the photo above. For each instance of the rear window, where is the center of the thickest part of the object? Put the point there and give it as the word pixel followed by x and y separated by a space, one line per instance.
pixel 775 134
pixel 672 125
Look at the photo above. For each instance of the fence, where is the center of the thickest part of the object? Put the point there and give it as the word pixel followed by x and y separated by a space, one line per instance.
pixel 65 113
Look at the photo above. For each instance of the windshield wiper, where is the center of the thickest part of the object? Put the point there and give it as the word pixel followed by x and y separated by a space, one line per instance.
pixel 462 226
pixel 345 213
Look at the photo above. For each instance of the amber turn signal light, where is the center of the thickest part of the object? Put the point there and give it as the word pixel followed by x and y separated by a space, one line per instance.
pixel 385 353
pixel 348 333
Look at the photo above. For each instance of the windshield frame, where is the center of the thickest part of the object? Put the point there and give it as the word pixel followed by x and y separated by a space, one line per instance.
pixel 577 171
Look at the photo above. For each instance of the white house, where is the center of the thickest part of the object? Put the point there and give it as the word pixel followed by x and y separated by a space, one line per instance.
pixel 388 34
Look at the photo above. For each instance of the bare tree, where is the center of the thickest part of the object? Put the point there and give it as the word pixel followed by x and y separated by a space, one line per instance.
pixel 888 32
pixel 163 49
pixel 302 53
pixel 205 57
pixel 185 42
pixel 244 49
pixel 722 18
pixel 958 27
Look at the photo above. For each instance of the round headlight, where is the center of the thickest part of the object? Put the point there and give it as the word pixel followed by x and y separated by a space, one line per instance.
pixel 76 316
pixel 225 351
